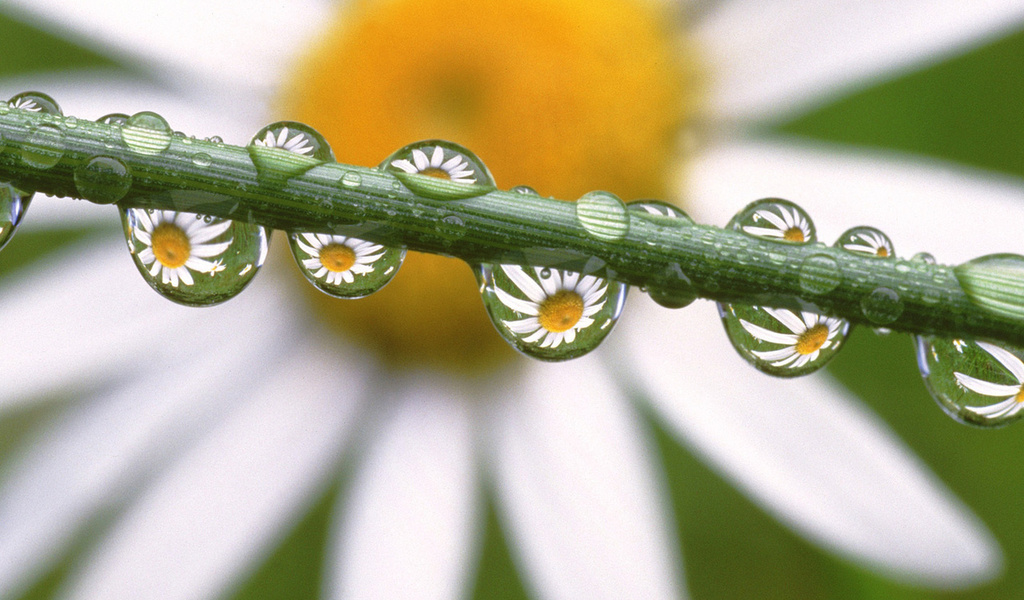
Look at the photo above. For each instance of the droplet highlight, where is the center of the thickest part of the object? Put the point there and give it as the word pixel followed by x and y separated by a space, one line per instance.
pixel 440 170
pixel 13 204
pixel 193 259
pixel 287 149
pixel 343 266
pixel 995 283
pixel 147 133
pixel 103 180
pixel 783 342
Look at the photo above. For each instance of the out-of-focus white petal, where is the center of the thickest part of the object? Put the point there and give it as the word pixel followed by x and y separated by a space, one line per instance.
pixel 196 43
pixel 86 318
pixel 407 527
pixel 216 511
pixel 804 449
pixel 770 59
pixel 577 488
pixel 103 448
pixel 922 205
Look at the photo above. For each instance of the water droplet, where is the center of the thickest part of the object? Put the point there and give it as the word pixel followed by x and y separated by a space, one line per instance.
pixel 352 179
pixel 776 220
pixel 995 283
pixel 673 289
pixel 882 306
pixel 654 210
pixel 287 149
pixel 867 241
pixel 783 342
pixel 202 159
pixel 524 190
pixel 214 139
pixel 562 316
pixel 924 257
pixel 440 170
pixel 881 331
pixel 44 146
pixel 71 122
pixel 113 119
pixel 451 227
pixel 820 274
pixel 13 204
pixel 344 267
pixel 977 383
pixel 603 215
pixel 103 180
pixel 146 133
pixel 36 102
pixel 196 260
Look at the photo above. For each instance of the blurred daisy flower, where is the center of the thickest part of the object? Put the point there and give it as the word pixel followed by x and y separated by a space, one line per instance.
pixel 203 435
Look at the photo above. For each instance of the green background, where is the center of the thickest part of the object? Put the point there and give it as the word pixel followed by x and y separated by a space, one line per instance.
pixel 967 109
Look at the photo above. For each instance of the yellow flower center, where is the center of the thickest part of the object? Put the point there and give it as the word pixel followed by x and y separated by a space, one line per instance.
pixel 435 172
pixel 561 311
pixel 566 96
pixel 812 340
pixel 793 234
pixel 882 252
pixel 337 257
pixel 1020 396
pixel 171 245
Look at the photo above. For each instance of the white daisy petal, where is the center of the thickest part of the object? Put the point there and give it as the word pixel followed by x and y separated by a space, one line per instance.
pixel 1013 364
pixel 999 409
pixel 839 186
pixel 986 388
pixel 413 511
pixel 787 318
pixel 528 285
pixel 820 49
pixel 586 519
pixel 767 335
pixel 805 450
pixel 236 491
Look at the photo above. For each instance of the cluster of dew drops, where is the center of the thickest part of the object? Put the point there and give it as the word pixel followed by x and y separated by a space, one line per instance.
pixel 546 313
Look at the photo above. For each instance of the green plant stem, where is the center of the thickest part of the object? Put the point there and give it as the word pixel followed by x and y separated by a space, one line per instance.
pixel 496 226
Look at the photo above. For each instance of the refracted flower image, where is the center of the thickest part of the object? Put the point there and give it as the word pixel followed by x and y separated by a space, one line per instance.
pixel 292 141
pixel 288 443
pixel 337 258
pixel 175 244
pixel 779 221
pixel 809 334
pixel 1012 394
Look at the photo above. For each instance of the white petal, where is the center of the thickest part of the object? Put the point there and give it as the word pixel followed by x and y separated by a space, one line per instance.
pixel 805 450
pixel 1006 358
pixel 770 59
pixel 920 204
pixel 409 523
pixel 577 487
pixel 218 508
pixel 986 388
pixel 196 42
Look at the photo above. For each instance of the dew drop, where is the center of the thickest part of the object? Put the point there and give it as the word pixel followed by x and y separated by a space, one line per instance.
pixel 352 179
pixel 71 122
pixel 440 170
pixel 524 190
pixel 995 283
pixel 451 227
pixel 654 210
pixel 113 119
pixel 882 306
pixel 783 342
pixel 603 215
pixel 13 204
pixel 44 146
pixel 559 317
pixel 147 133
pixel 866 241
pixel 820 274
pixel 673 289
pixel 103 180
pixel 36 102
pixel 191 259
pixel 202 159
pixel 776 220
pixel 287 148
pixel 343 266
pixel 924 257
pixel 977 383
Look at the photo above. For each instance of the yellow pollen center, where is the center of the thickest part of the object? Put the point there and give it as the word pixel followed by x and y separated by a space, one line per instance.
pixel 561 312
pixel 1020 396
pixel 337 257
pixel 793 234
pixel 566 96
pixel 812 340
pixel 171 245
pixel 435 172
pixel 882 252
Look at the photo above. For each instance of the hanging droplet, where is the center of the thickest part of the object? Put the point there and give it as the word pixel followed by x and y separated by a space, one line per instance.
pixel 147 133
pixel 603 215
pixel 13 204
pixel 287 149
pixel 344 267
pixel 867 241
pixel 775 219
pixel 657 209
pixel 672 289
pixel 550 314
pixel 37 102
pixel 440 170
pixel 192 259
pixel 977 383
pixel 995 283
pixel 820 274
pixel 103 180
pixel 783 342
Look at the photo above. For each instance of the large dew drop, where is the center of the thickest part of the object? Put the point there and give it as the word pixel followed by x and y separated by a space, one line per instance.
pixel 977 383
pixel 867 241
pixel 103 180
pixel 146 133
pixel 13 204
pixel 36 102
pixel 440 170
pixel 603 215
pixel 44 146
pixel 286 149
pixel 550 314
pixel 776 220
pixel 345 267
pixel 193 259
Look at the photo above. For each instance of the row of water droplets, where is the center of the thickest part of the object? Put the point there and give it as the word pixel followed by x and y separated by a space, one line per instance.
pixel 546 313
